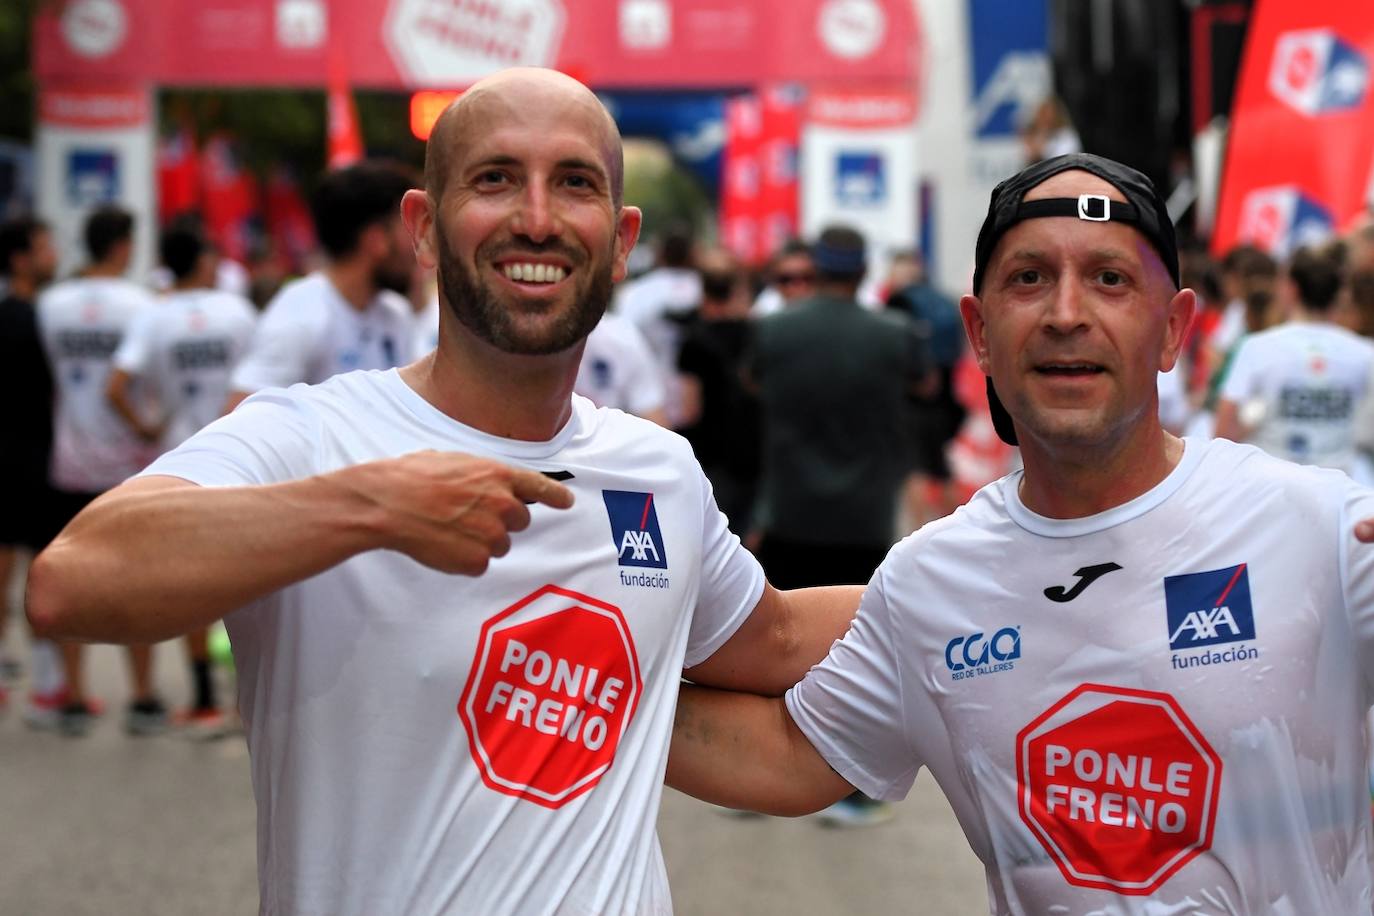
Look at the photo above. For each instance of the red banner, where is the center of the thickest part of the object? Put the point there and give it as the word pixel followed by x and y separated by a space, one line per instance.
pixel 759 193
pixel 1302 134
pixel 445 44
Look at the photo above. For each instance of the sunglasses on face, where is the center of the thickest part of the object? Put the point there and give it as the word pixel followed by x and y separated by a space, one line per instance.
pixel 794 279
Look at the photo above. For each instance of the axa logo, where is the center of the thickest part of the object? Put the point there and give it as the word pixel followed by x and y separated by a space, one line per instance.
pixel 977 653
pixel 1316 72
pixel 1282 218
pixel 1209 608
pixel 634 529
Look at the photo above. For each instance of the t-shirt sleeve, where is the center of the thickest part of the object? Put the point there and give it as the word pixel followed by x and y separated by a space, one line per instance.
pixel 279 353
pixel 1357 579
pixel 270 438
pixel 851 707
pixel 136 349
pixel 1238 385
pixel 731 584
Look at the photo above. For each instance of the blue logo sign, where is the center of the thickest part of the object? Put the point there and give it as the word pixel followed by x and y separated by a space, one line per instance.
pixel 1011 66
pixel 860 180
pixel 1209 608
pixel 634 529
pixel 975 654
pixel 92 177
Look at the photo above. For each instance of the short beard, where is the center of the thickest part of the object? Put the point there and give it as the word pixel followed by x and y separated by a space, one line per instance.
pixel 473 304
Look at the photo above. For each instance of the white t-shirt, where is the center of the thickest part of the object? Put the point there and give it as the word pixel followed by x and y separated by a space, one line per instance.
pixel 1304 382
pixel 618 369
pixel 1180 732
pixel 309 332
pixel 184 350
pixel 655 304
pixel 405 724
pixel 83 322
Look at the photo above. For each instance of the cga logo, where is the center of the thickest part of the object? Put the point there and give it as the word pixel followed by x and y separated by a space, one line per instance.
pixel 968 656
pixel 1281 219
pixel 1316 72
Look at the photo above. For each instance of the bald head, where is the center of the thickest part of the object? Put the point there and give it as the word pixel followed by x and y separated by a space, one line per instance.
pixel 491 100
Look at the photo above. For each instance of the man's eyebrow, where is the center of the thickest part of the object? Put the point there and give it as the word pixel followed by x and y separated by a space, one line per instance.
pixel 583 165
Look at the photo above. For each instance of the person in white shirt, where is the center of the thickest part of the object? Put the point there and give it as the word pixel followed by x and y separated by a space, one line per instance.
pixel 618 370
pixel 1293 389
pixel 659 304
pixel 457 683
pixel 352 314
pixel 82 322
pixel 182 352
pixel 1138 668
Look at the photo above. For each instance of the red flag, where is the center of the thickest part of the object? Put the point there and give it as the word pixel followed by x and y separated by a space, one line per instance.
pixel 286 218
pixel 1302 133
pixel 345 142
pixel 741 203
pixel 178 174
pixel 229 196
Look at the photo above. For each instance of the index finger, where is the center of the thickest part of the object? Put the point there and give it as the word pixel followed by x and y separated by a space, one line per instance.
pixel 534 487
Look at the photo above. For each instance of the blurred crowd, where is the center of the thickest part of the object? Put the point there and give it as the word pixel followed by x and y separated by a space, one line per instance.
pixel 831 413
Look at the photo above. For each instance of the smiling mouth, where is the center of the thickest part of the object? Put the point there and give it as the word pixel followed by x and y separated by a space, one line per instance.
pixel 530 272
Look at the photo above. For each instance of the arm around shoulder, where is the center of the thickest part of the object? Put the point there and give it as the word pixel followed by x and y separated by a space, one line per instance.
pixel 744 751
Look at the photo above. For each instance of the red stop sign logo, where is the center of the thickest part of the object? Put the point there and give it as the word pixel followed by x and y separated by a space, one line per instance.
pixel 551 692
pixel 1118 786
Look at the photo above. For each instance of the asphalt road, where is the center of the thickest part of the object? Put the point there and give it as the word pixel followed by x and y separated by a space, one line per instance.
pixel 109 825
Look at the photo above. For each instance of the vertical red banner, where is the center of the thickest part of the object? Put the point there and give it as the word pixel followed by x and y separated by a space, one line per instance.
pixel 779 142
pixel 740 197
pixel 1302 133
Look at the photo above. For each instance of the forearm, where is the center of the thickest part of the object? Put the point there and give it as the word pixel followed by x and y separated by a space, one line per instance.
pixel 147 562
pixel 744 751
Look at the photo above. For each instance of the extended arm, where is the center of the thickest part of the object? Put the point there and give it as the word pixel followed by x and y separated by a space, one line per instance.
pixel 786 634
pixel 744 751
pixel 158 556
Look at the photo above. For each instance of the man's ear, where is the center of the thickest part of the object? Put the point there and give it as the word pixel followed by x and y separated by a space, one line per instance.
pixel 971 310
pixel 417 212
pixel 1177 321
pixel 626 234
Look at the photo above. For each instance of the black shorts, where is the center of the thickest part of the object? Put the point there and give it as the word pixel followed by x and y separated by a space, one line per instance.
pixel 40 514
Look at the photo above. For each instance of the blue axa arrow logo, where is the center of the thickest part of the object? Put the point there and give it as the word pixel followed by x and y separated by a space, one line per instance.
pixel 634 529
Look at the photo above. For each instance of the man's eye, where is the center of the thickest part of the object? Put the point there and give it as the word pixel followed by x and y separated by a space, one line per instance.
pixel 578 181
pixel 1111 278
pixel 492 177
pixel 1027 276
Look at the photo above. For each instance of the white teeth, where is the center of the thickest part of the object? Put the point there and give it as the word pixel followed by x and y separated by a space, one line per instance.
pixel 534 273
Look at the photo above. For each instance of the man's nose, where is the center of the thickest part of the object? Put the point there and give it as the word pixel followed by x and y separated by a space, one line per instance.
pixel 535 218
pixel 1066 311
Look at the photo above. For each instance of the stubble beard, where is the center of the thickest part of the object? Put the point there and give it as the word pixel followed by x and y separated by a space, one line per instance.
pixel 477 307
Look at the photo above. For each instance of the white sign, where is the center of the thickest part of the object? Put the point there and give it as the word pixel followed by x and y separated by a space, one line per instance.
pixel 457 42
pixel 301 24
pixel 646 25
pixel 94 28
pixel 861 178
pixel 851 29
pixel 81 166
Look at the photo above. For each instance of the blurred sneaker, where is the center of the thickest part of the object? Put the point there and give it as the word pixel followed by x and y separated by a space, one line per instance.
pixel 146 717
pixel 856 812
pixel 76 719
pixel 202 723
pixel 44 710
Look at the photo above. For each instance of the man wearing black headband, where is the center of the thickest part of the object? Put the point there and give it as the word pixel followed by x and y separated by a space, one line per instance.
pixel 1138 691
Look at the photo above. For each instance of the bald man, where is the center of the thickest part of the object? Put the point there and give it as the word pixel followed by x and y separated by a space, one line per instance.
pixel 461 598
pixel 1138 668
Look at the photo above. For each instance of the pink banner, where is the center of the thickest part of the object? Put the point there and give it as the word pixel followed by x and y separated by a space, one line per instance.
pixel 451 43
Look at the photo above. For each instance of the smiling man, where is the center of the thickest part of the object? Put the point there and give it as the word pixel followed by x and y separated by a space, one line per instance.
pixel 1138 667
pixel 457 684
